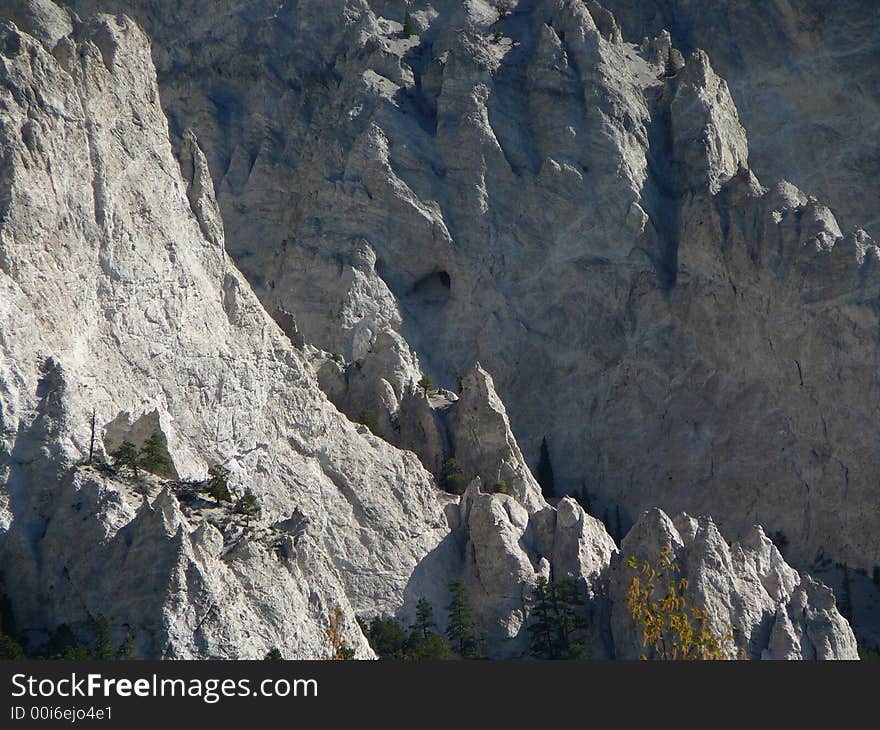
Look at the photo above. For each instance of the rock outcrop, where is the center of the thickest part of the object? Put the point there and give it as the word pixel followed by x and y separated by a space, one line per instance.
pixel 118 297
pixel 774 612
pixel 575 211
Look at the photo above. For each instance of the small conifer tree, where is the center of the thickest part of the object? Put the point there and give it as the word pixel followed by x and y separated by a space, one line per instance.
pixel 218 483
pixel 426 383
pixel 544 473
pixel 461 629
pixel 247 505
pixel 104 641
pixel 542 627
pixel 154 456
pixel 409 26
pixel 126 456
pixel 452 478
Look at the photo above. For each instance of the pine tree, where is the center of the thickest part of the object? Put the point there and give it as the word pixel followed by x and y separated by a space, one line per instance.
pixel 434 647
pixel 424 642
pixel 104 642
pixel 10 648
pixel 126 456
pixel 544 473
pixel 154 455
pixel 409 27
pixel 274 655
pixel 462 628
pixel 387 638
pixel 426 383
pixel 247 505
pixel 452 478
pixel 569 608
pixel 543 627
pixel 424 625
pixel 583 499
pixel 218 483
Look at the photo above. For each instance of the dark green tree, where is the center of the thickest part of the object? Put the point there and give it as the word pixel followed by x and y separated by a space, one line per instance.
pixel 426 383
pixel 543 628
pixel 75 653
pixel 424 624
pixel 558 626
pixel 462 627
pixel 10 648
pixel 584 500
pixel 368 419
pixel 104 641
pixel 434 647
pixel 247 505
pixel 452 478
pixel 217 486
pixel 387 638
pixel 544 473
pixel 409 27
pixel 274 655
pixel 571 625
pixel 154 456
pixel 126 456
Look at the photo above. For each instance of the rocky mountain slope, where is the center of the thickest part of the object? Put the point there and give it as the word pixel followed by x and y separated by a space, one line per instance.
pixel 412 188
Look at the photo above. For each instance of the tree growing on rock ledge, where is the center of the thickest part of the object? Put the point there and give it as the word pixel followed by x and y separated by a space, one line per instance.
pixel 452 478
pixel 544 472
pixel 154 456
pixel 218 483
pixel 126 456
pixel 426 384
pixel 248 506
pixel 669 627
pixel 558 624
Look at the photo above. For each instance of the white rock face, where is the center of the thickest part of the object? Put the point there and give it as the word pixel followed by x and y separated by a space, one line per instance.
pixel 484 444
pixel 117 296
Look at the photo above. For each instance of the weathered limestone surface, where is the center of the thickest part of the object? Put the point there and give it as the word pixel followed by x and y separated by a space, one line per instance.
pixel 117 295
pixel 532 191
pixel 579 214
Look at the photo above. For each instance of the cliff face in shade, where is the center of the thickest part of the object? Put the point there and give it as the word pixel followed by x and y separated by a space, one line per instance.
pixel 806 78
pixel 531 191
